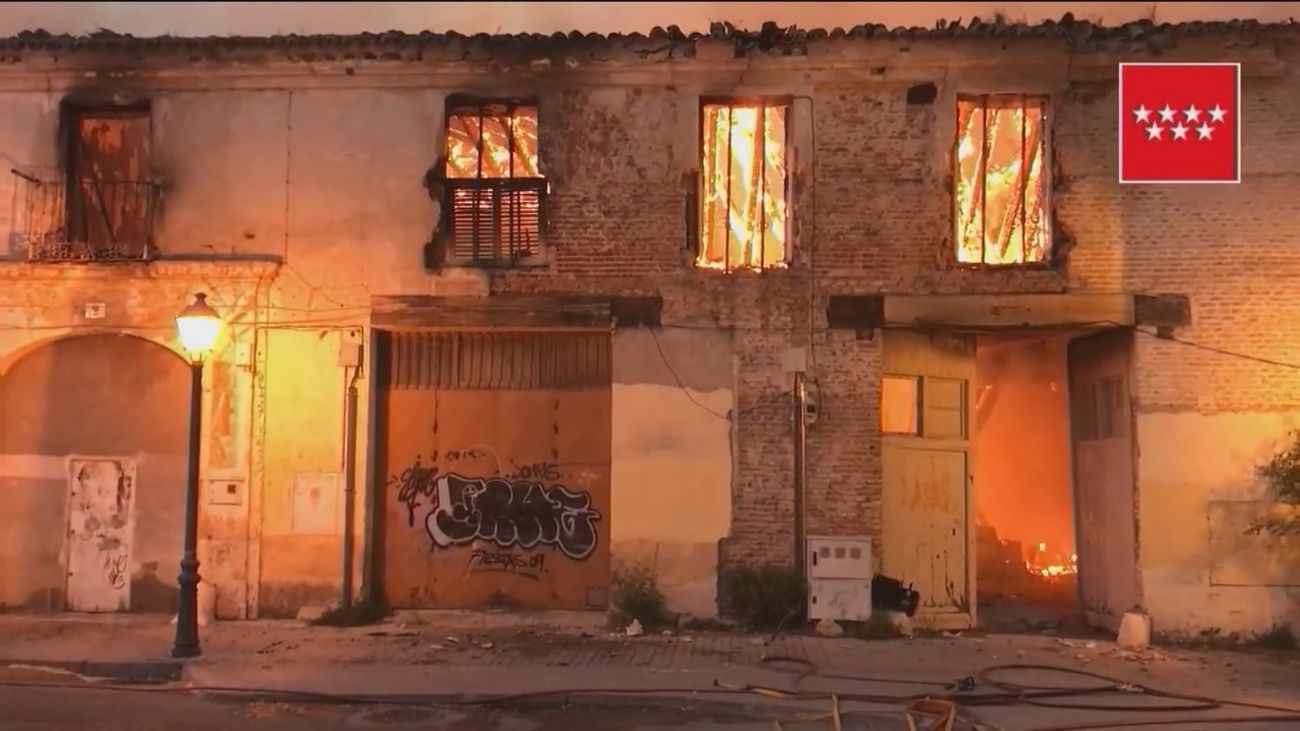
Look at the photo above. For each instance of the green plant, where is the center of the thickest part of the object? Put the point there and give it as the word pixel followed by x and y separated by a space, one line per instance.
pixel 1282 473
pixel 766 598
pixel 1281 637
pixel 354 615
pixel 635 595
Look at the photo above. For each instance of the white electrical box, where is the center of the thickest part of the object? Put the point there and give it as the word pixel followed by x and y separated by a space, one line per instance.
pixel 839 578
pixel 846 600
pixel 839 558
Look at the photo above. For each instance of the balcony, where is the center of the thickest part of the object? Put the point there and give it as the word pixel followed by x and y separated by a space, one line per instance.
pixel 494 221
pixel 85 219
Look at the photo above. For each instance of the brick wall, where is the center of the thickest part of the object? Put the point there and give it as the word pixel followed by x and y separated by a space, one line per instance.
pixel 874 216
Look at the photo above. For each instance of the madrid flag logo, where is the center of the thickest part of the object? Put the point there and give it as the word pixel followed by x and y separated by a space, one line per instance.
pixel 1180 123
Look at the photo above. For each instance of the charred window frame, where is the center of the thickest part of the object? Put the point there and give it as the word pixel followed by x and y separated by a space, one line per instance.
pixel 101 202
pixel 744 147
pixel 1002 207
pixel 493 191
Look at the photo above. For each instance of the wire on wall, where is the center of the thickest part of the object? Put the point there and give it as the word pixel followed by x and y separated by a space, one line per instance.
pixel 664 357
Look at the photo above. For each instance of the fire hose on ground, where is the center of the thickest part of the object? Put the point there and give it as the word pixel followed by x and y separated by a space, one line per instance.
pixel 942 709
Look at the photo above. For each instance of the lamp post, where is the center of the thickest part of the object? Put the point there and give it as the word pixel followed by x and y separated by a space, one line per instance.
pixel 198 326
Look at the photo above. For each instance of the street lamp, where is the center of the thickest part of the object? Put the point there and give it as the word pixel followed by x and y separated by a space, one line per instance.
pixel 198 326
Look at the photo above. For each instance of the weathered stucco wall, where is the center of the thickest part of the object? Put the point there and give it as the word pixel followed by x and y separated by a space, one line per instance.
pixel 1200 569
pixel 672 459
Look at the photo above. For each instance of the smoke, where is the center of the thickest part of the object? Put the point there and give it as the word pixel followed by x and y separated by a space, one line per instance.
pixel 266 18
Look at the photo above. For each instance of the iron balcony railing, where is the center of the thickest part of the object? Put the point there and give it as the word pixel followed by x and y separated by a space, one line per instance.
pixel 85 218
pixel 494 221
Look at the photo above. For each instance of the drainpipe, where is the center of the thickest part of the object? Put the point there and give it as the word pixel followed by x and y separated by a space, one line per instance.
pixel 349 483
pixel 369 590
pixel 800 474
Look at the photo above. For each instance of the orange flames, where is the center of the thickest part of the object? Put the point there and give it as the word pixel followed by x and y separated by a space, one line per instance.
pixel 1051 563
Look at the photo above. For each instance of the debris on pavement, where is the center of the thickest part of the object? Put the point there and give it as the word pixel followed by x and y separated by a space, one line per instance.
pixel 829 628
pixel 634 629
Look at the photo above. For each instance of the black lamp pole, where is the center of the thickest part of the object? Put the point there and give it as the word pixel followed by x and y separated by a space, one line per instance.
pixel 187 611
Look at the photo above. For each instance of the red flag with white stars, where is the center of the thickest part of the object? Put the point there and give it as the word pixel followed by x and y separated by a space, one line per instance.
pixel 1180 123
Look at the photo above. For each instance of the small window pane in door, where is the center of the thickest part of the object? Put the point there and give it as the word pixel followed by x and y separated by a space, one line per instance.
pixel 945 408
pixel 900 405
pixel 1110 404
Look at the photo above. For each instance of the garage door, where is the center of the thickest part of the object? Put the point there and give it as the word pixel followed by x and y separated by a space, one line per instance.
pixel 496 449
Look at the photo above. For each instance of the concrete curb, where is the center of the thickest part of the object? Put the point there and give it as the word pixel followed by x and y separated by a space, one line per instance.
pixel 126 671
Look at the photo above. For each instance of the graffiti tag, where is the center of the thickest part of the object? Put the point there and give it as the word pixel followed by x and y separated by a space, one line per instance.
pixel 548 471
pixel 512 514
pixel 117 571
pixel 526 566
pixel 415 482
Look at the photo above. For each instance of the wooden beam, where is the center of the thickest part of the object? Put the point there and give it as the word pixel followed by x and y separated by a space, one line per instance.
pixel 637 311
pixel 857 312
pixel 1162 310
pixel 1009 310
pixel 519 312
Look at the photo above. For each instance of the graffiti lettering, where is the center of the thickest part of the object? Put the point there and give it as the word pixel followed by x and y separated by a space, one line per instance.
pixel 548 471
pixel 527 566
pixel 512 514
pixel 422 595
pixel 116 571
pixel 415 482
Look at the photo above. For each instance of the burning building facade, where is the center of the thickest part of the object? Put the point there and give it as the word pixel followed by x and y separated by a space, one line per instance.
pixel 506 313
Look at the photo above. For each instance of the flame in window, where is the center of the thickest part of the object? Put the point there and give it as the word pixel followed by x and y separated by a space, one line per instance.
pixel 1001 215
pixel 743 187
pixel 492 141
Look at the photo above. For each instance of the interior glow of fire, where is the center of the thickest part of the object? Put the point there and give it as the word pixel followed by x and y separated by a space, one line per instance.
pixel 743 187
pixel 1001 191
pixel 1046 564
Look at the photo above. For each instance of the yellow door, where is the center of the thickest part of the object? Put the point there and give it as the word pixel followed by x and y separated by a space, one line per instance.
pixel 925 428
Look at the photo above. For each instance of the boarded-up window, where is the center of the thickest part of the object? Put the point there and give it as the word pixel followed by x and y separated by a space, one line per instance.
pixel 743 191
pixel 494 186
pixel 109 201
pixel 1002 214
pixel 900 405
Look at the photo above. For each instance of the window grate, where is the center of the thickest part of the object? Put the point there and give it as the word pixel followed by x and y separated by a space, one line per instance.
pixel 493 184
pixel 1001 173
pixel 743 187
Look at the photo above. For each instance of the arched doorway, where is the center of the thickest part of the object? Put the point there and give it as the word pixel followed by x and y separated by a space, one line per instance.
pixel 92 472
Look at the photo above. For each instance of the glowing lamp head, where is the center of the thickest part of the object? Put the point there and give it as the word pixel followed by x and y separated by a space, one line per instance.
pixel 198 326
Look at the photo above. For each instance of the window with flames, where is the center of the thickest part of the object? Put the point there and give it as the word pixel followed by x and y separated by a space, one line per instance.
pixel 1002 214
pixel 492 183
pixel 743 196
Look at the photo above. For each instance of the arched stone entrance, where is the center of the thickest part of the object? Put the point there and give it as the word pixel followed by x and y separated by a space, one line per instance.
pixel 92 474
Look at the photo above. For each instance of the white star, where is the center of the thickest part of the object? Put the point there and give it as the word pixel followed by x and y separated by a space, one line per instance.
pixel 1142 113
pixel 1166 114
pixel 1217 114
pixel 1180 132
pixel 1192 113
pixel 1153 132
pixel 1203 132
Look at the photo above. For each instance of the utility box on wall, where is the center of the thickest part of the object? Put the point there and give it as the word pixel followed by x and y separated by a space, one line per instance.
pixel 839 578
